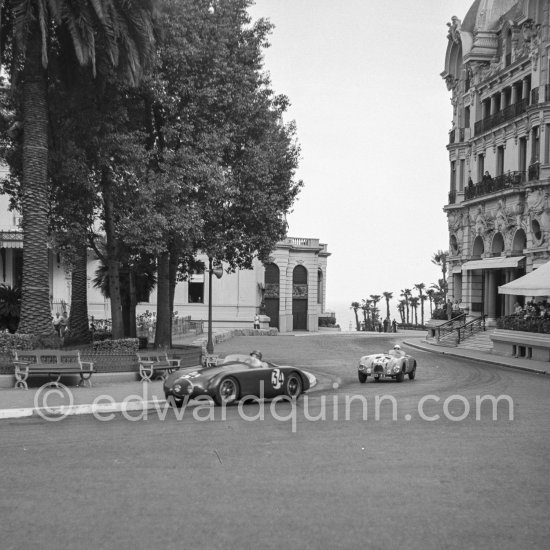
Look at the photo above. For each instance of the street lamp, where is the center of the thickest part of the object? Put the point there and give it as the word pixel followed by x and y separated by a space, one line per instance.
pixel 217 269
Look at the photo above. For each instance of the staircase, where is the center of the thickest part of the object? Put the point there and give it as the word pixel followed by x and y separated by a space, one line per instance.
pixel 480 341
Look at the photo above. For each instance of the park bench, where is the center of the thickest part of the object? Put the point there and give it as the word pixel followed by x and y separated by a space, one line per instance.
pixel 152 363
pixel 53 363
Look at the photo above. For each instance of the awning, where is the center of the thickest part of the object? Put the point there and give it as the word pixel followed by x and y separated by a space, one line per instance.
pixel 493 263
pixel 11 239
pixel 536 283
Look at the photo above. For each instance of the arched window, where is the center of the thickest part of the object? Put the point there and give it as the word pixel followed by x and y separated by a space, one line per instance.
pixel 478 248
pixel 498 243
pixel 520 241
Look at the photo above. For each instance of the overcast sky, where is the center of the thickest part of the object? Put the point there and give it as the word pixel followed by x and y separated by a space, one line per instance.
pixel 373 116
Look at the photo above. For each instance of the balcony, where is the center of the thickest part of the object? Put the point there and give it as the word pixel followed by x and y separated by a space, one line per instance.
pixel 487 186
pixel 452 196
pixel 457 135
pixel 499 117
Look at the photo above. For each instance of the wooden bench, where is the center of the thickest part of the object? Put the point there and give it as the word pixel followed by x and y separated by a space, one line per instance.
pixel 151 363
pixel 53 363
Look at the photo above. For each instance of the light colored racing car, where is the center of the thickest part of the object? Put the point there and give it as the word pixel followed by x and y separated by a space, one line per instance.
pixel 394 364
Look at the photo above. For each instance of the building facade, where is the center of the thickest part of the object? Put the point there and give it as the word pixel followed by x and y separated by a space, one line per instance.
pixel 288 293
pixel 497 67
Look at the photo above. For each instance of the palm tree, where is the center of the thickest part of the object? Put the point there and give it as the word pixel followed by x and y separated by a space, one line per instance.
pixel 366 310
pixel 406 293
pixel 430 294
pixel 375 299
pixel 440 258
pixel 356 306
pixel 115 31
pixel 401 309
pixel 420 287
pixel 414 304
pixel 388 296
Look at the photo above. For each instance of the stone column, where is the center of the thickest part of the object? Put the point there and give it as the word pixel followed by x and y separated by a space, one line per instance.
pixel 524 88
pixel 514 96
pixel 508 298
pixel 491 295
pixel 493 105
pixel 483 110
pixel 502 100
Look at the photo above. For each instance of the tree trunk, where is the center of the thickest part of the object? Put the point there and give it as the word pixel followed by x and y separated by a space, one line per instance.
pixel 172 274
pixel 36 316
pixel 163 335
pixel 79 327
pixel 131 330
pixel 357 323
pixel 112 259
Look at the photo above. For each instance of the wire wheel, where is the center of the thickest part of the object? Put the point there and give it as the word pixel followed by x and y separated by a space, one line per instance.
pixel 228 392
pixel 293 387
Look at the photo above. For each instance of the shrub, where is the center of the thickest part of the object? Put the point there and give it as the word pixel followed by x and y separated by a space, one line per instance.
pixel 327 321
pixel 513 322
pixel 9 342
pixel 10 307
pixel 126 345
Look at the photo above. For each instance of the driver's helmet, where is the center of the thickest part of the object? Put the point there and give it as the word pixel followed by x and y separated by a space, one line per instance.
pixel 397 347
pixel 256 353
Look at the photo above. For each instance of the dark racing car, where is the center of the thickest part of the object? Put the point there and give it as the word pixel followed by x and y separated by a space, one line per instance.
pixel 235 377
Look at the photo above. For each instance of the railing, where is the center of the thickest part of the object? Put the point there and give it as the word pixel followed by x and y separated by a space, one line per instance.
pixel 470 328
pixel 499 117
pixel 492 185
pixel 447 328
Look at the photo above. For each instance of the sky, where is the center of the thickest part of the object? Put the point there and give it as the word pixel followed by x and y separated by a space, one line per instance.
pixel 373 117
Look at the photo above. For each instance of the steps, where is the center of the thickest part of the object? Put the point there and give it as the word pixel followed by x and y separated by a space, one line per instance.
pixel 478 342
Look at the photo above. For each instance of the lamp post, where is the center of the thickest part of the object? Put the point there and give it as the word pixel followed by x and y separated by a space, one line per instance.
pixel 218 271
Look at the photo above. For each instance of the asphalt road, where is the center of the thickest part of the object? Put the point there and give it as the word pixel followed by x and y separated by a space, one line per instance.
pixel 318 476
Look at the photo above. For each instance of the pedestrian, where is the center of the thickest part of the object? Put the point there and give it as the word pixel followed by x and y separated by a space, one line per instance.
pixel 63 324
pixel 394 326
pixel 256 321
pixel 57 323
pixel 386 324
pixel 449 309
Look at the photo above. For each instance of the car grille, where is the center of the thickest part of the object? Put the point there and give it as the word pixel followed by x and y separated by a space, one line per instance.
pixel 378 368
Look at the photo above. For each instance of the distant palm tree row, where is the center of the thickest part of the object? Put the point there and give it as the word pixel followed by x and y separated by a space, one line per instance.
pixel 408 305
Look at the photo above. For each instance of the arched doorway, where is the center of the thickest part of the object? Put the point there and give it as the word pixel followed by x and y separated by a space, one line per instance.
pixel 271 296
pixel 299 298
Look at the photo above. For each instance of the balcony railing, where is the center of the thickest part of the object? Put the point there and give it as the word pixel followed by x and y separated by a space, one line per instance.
pixel 457 135
pixel 493 185
pixel 499 117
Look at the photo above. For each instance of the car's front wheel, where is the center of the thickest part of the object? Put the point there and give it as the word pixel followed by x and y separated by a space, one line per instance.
pixel 412 374
pixel 362 377
pixel 227 392
pixel 399 377
pixel 293 385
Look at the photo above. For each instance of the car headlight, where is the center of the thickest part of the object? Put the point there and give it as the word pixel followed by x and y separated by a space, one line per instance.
pixel 396 368
pixel 182 388
pixel 369 370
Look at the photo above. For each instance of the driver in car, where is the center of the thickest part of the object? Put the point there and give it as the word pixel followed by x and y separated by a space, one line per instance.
pixel 396 351
pixel 256 358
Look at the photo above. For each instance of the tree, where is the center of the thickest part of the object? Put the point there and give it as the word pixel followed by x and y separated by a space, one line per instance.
pixel 366 313
pixel 401 309
pixel 414 304
pixel 440 258
pixel 406 293
pixel 375 299
pixel 430 294
pixel 32 28
pixel 420 287
pixel 356 306
pixel 387 296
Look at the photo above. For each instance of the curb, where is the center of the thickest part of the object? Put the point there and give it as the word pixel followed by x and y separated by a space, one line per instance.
pixel 487 361
pixel 60 412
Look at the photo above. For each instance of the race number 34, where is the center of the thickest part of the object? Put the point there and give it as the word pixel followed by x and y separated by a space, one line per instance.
pixel 277 378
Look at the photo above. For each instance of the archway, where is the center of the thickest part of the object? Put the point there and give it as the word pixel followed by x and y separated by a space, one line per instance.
pixel 520 241
pixel 271 295
pixel 498 244
pixel 479 248
pixel 299 298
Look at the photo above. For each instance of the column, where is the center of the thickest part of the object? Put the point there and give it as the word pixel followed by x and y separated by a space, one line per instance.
pixel 483 110
pixel 493 105
pixel 514 96
pixel 509 299
pixel 491 295
pixel 524 88
pixel 485 276
pixel 502 100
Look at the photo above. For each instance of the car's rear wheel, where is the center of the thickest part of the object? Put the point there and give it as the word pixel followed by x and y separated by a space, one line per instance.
pixel 412 374
pixel 362 377
pixel 227 392
pixel 399 377
pixel 293 385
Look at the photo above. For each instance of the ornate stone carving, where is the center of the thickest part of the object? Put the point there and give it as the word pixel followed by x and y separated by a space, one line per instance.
pixel 454 28
pixel 504 220
pixel 531 41
pixel 482 222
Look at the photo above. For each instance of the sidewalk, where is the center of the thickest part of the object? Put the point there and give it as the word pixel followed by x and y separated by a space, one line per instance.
pixel 540 367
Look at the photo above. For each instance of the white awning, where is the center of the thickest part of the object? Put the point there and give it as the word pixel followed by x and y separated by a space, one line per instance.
pixel 536 283
pixel 493 263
